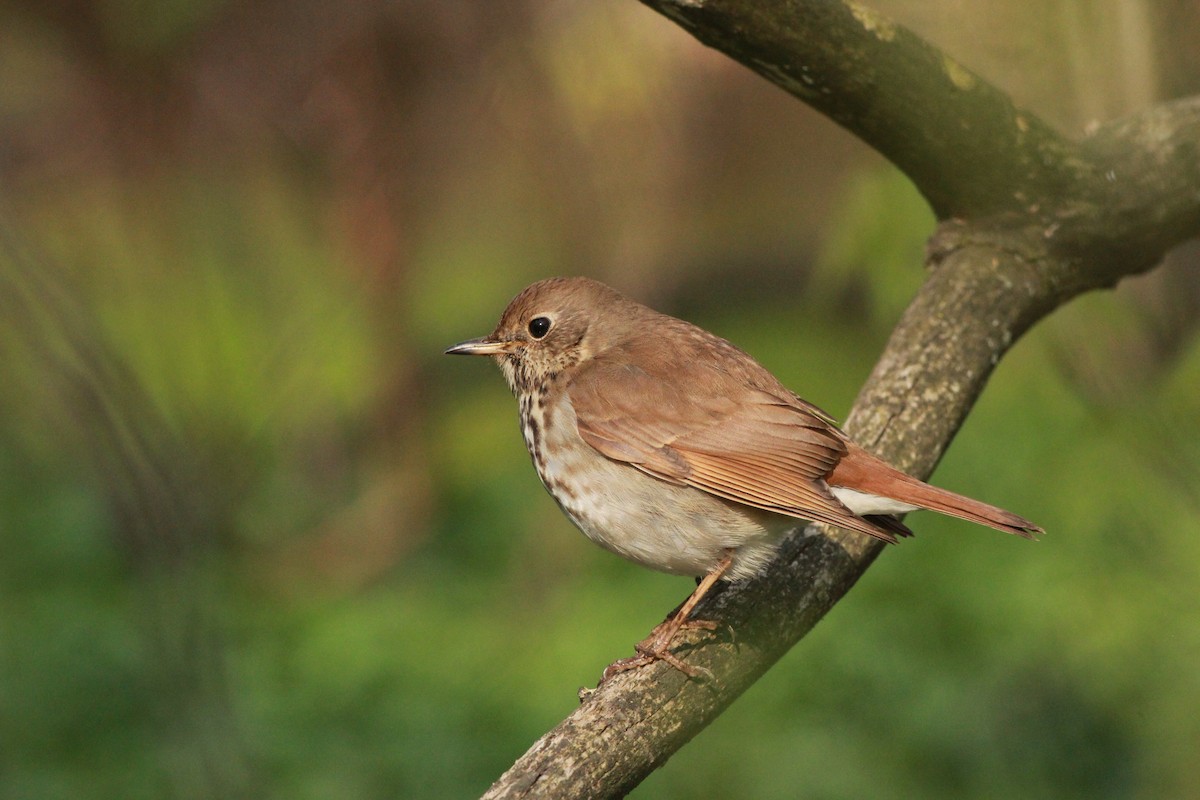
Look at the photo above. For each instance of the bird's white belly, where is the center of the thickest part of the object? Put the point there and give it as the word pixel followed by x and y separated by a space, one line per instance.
pixel 671 528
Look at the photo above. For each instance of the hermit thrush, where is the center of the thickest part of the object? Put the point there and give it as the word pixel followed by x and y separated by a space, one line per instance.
pixel 673 448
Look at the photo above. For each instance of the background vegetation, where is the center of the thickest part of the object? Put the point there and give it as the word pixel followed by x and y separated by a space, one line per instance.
pixel 261 539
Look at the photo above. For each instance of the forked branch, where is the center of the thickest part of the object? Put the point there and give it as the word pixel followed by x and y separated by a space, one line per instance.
pixel 1030 220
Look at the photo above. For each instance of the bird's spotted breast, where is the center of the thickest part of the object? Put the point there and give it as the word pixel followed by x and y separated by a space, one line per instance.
pixel 663 526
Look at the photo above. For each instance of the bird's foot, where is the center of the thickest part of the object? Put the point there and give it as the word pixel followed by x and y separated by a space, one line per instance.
pixel 657 647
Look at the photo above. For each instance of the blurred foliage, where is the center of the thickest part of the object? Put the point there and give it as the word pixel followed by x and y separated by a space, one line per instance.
pixel 262 540
pixel 875 237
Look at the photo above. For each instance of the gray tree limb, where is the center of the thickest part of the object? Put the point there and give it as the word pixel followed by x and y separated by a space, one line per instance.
pixel 1029 221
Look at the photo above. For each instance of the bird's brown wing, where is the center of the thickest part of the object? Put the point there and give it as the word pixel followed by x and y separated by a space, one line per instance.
pixel 766 449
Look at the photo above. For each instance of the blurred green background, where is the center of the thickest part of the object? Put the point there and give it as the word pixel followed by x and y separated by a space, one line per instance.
pixel 260 539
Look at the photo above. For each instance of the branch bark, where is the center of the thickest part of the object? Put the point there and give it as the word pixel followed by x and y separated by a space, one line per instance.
pixel 961 140
pixel 1045 219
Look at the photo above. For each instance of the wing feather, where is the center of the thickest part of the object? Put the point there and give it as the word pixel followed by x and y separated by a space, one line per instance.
pixel 758 445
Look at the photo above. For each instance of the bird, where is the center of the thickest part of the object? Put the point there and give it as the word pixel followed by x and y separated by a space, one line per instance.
pixel 675 449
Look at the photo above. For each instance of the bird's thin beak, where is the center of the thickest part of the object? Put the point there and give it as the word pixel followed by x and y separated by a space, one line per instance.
pixel 483 346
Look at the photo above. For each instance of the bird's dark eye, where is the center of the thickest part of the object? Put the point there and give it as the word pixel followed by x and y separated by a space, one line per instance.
pixel 539 327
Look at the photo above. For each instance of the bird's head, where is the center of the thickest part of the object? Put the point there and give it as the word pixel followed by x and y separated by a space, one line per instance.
pixel 551 327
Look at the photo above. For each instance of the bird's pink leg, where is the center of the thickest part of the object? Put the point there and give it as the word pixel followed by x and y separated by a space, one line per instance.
pixel 656 646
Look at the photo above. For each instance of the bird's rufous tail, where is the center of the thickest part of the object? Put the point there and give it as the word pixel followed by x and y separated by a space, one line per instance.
pixel 863 472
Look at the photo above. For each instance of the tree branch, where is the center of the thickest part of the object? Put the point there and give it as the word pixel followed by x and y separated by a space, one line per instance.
pixel 1050 220
pixel 964 144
